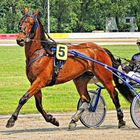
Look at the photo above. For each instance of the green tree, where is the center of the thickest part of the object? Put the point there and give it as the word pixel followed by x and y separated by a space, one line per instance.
pixel 118 9
pixel 134 10
pixel 69 15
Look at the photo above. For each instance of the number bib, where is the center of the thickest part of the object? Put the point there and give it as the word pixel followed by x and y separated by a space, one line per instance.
pixel 61 52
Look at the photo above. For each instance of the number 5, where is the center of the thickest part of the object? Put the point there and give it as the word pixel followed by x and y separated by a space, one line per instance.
pixel 61 52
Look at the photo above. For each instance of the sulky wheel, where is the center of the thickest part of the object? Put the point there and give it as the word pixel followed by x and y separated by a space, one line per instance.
pixel 135 110
pixel 92 117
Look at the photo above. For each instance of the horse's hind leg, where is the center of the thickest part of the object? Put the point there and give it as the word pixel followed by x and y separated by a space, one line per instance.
pixel 47 117
pixel 106 79
pixel 120 115
pixel 115 99
pixel 81 85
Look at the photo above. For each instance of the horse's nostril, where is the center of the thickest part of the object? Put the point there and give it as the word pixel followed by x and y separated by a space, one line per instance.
pixel 20 42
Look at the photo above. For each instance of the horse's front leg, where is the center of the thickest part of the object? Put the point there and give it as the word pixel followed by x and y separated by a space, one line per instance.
pixel 47 117
pixel 14 116
pixel 35 88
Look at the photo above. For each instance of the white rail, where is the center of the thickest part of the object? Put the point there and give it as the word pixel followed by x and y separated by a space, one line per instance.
pixel 101 38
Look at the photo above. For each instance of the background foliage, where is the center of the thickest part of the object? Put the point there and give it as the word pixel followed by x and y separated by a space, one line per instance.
pixel 69 15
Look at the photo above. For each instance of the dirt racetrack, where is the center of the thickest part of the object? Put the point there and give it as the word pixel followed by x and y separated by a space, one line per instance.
pixel 33 127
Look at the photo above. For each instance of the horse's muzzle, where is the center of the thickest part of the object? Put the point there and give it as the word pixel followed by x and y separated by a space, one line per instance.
pixel 20 42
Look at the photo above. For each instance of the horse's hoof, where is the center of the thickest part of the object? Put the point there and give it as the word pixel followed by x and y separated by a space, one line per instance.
pixel 72 125
pixel 10 123
pixel 121 124
pixel 49 118
pixel 55 122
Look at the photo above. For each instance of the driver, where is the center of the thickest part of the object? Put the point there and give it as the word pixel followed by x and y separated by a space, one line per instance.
pixel 133 69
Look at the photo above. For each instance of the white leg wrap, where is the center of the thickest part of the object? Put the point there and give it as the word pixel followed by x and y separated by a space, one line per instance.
pixel 79 112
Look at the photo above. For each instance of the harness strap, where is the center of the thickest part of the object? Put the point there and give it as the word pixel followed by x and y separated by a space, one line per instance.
pixel 33 60
pixel 57 66
pixel 54 76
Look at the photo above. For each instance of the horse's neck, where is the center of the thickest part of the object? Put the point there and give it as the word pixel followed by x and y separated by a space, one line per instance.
pixel 32 47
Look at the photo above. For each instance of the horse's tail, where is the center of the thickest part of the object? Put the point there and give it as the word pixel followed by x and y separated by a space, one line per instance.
pixel 122 88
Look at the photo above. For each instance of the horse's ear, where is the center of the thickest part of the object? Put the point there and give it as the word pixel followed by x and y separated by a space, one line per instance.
pixel 25 10
pixel 36 12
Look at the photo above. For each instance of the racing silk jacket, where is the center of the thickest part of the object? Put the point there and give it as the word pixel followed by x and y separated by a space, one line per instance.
pixel 134 64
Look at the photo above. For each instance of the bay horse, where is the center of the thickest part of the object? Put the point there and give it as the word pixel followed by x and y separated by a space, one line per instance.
pixel 40 69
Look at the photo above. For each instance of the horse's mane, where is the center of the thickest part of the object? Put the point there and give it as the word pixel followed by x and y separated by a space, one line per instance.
pixel 46 41
pixel 42 33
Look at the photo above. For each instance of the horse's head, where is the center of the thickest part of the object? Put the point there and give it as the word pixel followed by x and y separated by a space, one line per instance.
pixel 27 27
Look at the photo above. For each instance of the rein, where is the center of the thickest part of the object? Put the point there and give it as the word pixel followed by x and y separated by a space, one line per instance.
pixel 45 41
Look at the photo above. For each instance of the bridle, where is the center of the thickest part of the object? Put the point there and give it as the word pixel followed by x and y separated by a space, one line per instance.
pixel 29 36
pixel 22 29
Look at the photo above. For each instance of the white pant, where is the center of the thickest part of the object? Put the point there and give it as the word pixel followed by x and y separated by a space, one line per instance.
pixel 134 75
